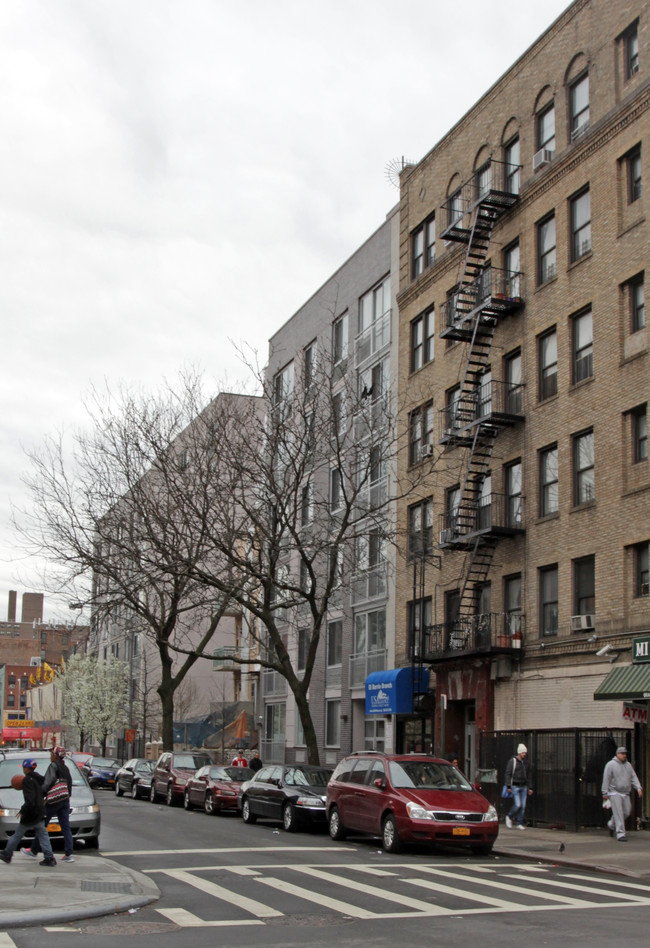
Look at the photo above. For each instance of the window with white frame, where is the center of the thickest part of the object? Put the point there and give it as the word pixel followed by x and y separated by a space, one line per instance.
pixel 583 346
pixel 579 106
pixel 419 621
pixel 546 249
pixel 369 550
pixel 333 723
pixel 423 243
pixel 374 733
pixel 422 339
pixel 283 384
pixel 580 217
pixel 374 317
pixel 514 390
pixel 421 433
pixel 584 482
pixel 336 490
pixel 548 481
pixel 512 602
pixel 420 528
pixel 370 632
pixel 547 350
pixel 630 41
pixel 511 158
pixel 584 586
pixel 513 493
pixel 512 266
pixel 309 365
pixel 546 128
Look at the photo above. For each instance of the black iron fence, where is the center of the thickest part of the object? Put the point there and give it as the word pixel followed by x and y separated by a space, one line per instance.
pixel 567 769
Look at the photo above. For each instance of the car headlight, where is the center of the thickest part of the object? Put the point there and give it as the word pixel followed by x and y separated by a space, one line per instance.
pixel 309 801
pixel 181 781
pixel 226 793
pixel 491 815
pixel 417 812
pixel 86 809
pixel 5 811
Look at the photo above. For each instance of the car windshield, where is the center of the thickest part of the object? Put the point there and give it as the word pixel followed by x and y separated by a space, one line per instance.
pixel 144 766
pixel 427 775
pixel 9 768
pixel 190 761
pixel 299 777
pixel 238 774
pixel 104 762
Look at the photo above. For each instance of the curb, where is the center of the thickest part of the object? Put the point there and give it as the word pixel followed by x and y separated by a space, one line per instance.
pixel 568 863
pixel 44 917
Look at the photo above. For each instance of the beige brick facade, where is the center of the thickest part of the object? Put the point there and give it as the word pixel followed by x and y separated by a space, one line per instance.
pixel 591 38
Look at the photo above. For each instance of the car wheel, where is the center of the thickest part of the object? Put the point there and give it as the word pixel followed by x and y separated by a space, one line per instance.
pixel 208 804
pixel 482 849
pixel 389 836
pixel 336 828
pixel 92 842
pixel 186 801
pixel 246 814
pixel 289 818
pixel 169 796
pixel 118 789
pixel 135 793
pixel 153 796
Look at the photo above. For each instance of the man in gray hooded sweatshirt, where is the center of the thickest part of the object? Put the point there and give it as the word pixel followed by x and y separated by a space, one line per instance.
pixel 618 780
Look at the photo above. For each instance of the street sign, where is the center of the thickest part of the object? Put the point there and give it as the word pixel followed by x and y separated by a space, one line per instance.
pixel 129 735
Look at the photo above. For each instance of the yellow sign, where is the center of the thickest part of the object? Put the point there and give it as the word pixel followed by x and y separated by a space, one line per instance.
pixel 22 722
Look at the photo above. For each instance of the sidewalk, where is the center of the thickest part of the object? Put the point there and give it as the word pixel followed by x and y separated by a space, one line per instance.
pixel 589 849
pixel 90 886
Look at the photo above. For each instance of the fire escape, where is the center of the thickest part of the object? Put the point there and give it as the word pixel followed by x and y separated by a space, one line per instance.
pixel 477 409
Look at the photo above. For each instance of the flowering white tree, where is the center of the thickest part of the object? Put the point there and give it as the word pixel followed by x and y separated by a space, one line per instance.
pixel 95 697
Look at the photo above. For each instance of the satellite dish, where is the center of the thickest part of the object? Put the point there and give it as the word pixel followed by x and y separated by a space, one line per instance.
pixel 394 168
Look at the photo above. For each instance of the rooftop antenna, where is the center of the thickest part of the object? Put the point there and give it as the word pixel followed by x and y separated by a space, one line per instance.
pixel 394 168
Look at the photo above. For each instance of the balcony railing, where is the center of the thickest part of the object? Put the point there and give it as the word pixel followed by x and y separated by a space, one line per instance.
pixel 493 185
pixel 493 402
pixel 223 657
pixel 495 291
pixel 373 416
pixel 274 684
pixel 272 752
pixel 363 664
pixel 374 338
pixel 487 632
pixel 495 514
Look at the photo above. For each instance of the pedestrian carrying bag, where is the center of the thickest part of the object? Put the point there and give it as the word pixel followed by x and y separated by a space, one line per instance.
pixel 58 792
pixel 506 792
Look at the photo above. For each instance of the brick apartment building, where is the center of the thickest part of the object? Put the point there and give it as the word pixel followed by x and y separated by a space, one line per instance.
pixel 27 646
pixel 524 359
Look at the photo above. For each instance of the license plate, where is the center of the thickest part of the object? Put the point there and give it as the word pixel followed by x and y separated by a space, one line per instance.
pixel 460 831
pixel 53 828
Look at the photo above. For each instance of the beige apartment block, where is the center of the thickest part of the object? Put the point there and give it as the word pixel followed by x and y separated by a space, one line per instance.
pixel 524 361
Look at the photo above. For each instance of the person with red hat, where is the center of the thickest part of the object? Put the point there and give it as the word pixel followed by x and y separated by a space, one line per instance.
pixel 31 816
pixel 57 788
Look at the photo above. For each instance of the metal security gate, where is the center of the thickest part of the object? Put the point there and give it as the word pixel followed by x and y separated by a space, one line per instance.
pixel 566 766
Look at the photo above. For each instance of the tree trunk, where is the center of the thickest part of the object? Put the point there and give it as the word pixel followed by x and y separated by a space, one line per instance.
pixel 166 691
pixel 311 743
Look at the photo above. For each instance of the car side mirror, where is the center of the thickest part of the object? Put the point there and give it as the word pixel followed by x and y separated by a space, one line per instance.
pixel 379 783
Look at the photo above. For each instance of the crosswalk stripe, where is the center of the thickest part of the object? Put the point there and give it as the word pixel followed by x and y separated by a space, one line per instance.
pixel 109 853
pixel 593 890
pixel 371 871
pixel 345 908
pixel 417 904
pixel 234 898
pixel 241 870
pixel 463 894
pixel 185 919
pixel 6 941
pixel 611 882
pixel 491 883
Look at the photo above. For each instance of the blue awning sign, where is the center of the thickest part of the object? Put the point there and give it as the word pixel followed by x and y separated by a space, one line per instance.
pixel 391 691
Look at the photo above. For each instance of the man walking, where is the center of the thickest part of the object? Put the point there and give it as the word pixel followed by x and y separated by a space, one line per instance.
pixel 517 779
pixel 618 780
pixel 31 816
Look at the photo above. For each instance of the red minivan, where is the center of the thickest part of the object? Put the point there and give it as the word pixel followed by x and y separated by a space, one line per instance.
pixel 408 798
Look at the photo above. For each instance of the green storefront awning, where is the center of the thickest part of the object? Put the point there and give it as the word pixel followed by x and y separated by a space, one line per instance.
pixel 627 683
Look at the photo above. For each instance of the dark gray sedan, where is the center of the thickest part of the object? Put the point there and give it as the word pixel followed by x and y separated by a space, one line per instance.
pixel 134 778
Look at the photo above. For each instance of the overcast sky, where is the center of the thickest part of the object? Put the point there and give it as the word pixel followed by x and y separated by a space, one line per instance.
pixel 178 175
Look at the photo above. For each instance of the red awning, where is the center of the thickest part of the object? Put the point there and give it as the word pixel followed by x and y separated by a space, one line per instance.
pixel 22 733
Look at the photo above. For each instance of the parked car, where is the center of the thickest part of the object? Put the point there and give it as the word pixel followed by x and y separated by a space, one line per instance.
pixel 171 773
pixel 85 819
pixel 293 794
pixel 215 789
pixel 408 798
pixel 134 778
pixel 81 758
pixel 101 772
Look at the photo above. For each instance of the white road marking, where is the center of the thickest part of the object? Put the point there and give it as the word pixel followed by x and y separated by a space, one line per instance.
pixel 233 898
pixel 185 919
pixel 6 941
pixel 110 853
pixel 371 871
pixel 345 908
pixel 385 896
pixel 241 870
pixel 463 877
pixel 610 882
pixel 593 890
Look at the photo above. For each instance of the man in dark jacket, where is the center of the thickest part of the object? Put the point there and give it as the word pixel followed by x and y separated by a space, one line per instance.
pixel 57 772
pixel 31 816
pixel 517 779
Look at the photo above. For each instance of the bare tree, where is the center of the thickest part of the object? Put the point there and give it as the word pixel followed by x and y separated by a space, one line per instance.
pixel 107 518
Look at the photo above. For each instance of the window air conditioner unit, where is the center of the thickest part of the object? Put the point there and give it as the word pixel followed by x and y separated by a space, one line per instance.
pixel 426 451
pixel 543 157
pixel 446 536
pixel 579 131
pixel 583 623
